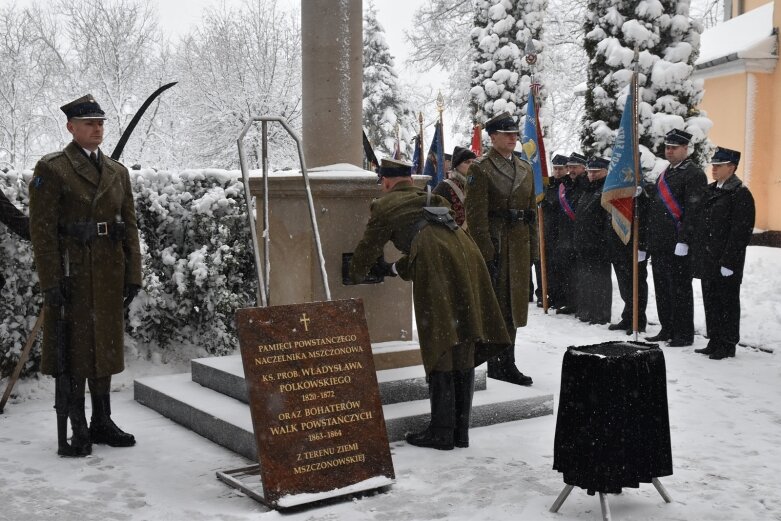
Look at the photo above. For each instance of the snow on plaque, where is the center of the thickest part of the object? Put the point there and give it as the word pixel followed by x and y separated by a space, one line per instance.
pixel 314 399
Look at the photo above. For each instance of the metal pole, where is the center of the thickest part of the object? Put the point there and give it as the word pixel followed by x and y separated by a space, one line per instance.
pixel 266 236
pixel 562 497
pixel 261 293
pixel 312 216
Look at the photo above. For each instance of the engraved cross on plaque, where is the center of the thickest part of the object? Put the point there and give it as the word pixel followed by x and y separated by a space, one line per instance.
pixel 305 320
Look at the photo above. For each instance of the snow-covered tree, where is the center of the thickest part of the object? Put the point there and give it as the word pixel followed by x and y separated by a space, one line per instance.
pixel 32 71
pixel 668 41
pixel 496 60
pixel 237 64
pixel 384 108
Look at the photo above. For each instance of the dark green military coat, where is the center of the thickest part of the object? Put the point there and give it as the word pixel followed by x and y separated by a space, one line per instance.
pixel 454 303
pixel 66 188
pixel 494 185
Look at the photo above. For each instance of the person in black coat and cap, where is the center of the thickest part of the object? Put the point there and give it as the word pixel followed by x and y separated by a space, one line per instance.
pixel 570 190
pixel 16 221
pixel 453 187
pixel 592 223
pixel 673 200
pixel 723 225
pixel 552 212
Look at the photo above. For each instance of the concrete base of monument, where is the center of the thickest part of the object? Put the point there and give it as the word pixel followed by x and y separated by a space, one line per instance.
pixel 212 401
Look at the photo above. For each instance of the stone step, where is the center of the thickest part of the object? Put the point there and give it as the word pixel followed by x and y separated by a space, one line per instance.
pixel 227 421
pixel 225 374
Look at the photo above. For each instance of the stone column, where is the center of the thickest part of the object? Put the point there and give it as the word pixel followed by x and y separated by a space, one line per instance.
pixel 332 64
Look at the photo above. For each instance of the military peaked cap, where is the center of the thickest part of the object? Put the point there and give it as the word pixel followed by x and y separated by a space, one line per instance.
pixel 597 163
pixel 395 168
pixel 461 154
pixel 677 137
pixel 559 160
pixel 503 122
pixel 83 108
pixel 725 155
pixel 577 159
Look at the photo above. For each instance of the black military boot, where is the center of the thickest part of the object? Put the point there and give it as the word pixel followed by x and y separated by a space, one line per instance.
pixel 102 429
pixel 439 433
pixel 80 444
pixel 707 350
pixel 464 385
pixel 722 351
pixel 620 326
pixel 502 367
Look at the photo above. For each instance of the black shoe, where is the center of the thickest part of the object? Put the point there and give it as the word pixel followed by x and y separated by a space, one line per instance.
pixel 539 304
pixel 102 428
pixel 79 445
pixel 661 336
pixel 723 351
pixel 565 310
pixel 432 438
pixel 511 376
pixel 618 326
pixel 598 322
pixel 679 342
pixel 707 350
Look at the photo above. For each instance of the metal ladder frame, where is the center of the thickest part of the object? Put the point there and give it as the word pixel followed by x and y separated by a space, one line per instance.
pixel 263 297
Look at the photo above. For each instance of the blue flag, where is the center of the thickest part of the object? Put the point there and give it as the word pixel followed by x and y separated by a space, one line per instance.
pixel 619 190
pixel 530 144
pixel 435 160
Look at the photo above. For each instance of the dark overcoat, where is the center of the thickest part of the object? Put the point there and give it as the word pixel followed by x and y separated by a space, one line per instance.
pixel 496 184
pixel 573 190
pixel 723 225
pixel 592 223
pixel 66 189
pixel 454 302
pixel 686 182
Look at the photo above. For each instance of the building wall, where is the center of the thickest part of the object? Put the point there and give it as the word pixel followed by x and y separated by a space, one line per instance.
pixel 746 112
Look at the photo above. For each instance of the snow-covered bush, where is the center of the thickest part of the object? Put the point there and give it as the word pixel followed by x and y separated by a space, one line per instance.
pixel 197 264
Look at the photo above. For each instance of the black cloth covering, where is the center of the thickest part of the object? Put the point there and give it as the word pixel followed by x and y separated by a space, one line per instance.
pixel 613 429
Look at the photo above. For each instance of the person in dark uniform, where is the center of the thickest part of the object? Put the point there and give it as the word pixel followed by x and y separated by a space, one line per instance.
pixel 592 222
pixel 452 188
pixel 570 190
pixel 501 213
pixel 723 225
pixel 621 257
pixel 16 221
pixel 551 211
pixel 82 213
pixel 459 321
pixel 673 200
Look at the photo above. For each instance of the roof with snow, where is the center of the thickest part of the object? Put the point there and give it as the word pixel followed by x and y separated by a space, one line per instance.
pixel 750 37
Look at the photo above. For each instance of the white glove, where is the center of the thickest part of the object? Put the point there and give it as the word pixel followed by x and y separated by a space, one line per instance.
pixel 726 272
pixel 393 269
pixel 641 255
pixel 681 249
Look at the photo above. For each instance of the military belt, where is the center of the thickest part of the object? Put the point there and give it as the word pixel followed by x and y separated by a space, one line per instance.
pixel 89 231
pixel 515 216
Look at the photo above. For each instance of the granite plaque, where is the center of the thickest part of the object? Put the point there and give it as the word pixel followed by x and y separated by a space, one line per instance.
pixel 314 399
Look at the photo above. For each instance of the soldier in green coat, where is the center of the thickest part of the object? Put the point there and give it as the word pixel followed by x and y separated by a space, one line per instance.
pixel 459 321
pixel 82 214
pixel 500 209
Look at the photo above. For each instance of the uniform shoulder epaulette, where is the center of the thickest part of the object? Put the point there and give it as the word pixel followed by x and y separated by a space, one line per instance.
pixel 479 160
pixel 53 155
pixel 113 161
pixel 523 160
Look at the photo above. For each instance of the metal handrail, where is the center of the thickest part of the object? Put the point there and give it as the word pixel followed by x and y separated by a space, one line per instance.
pixel 264 295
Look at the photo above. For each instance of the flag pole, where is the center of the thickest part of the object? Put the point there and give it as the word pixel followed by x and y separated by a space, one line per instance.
pixel 420 143
pixel 635 212
pixel 441 109
pixel 535 87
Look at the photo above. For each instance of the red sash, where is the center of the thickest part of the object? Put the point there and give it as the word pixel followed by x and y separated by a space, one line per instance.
pixel 565 204
pixel 669 201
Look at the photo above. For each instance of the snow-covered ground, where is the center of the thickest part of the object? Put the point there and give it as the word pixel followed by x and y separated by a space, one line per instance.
pixel 725 421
